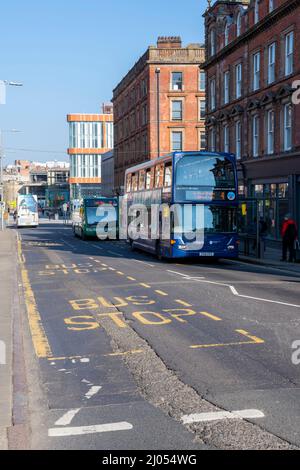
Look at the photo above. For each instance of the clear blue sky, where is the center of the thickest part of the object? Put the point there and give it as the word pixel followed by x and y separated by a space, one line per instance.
pixel 70 54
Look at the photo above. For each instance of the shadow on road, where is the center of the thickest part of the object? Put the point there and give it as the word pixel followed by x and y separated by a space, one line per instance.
pixel 60 238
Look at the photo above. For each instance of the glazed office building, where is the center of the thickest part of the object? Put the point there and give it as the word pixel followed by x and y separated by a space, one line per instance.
pixel 90 135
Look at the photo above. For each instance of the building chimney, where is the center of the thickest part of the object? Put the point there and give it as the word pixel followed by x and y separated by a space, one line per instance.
pixel 169 42
pixel 107 108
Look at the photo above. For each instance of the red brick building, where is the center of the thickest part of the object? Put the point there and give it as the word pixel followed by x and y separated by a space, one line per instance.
pixel 252 64
pixel 159 106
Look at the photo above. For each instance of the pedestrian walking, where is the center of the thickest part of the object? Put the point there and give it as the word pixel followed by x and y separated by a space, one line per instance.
pixel 289 234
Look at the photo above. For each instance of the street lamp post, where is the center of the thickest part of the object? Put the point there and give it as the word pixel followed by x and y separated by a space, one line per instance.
pixel 157 71
pixel 2 209
pixel 6 83
pixel 1 184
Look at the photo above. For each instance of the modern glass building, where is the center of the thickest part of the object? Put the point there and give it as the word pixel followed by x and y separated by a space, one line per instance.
pixel 90 135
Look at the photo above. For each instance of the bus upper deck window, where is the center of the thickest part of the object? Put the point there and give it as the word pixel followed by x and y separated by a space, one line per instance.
pixel 149 178
pixel 157 176
pixel 168 175
pixel 128 184
pixel 142 180
pixel 134 182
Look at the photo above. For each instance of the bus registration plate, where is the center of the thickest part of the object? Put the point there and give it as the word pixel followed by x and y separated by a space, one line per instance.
pixel 206 253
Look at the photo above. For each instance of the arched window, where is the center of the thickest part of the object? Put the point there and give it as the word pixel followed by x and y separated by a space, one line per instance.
pixel 256 12
pixel 238 24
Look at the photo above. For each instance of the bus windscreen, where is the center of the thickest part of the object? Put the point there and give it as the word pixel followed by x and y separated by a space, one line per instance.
pixel 205 179
pixel 94 215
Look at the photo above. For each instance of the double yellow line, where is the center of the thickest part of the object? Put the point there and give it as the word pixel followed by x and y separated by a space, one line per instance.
pixel 39 338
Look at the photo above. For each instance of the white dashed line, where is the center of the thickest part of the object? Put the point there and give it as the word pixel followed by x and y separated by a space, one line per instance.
pixel 115 253
pixel 67 418
pixel 220 415
pixel 186 276
pixel 98 247
pixel 143 262
pixel 68 244
pixel 83 430
pixel 179 274
pixel 92 392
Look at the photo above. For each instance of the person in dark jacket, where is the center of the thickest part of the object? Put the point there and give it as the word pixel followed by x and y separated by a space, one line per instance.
pixel 289 234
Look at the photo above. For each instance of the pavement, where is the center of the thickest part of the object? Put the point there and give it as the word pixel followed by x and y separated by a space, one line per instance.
pixel 127 352
pixel 272 258
pixel 7 289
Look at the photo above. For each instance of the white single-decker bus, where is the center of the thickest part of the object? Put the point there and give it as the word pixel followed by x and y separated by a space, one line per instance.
pixel 27 211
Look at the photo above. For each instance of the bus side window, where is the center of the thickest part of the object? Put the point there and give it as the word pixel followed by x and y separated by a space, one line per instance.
pixel 128 183
pixel 152 177
pixel 168 175
pixel 161 175
pixel 142 180
pixel 149 178
pixel 157 176
pixel 134 182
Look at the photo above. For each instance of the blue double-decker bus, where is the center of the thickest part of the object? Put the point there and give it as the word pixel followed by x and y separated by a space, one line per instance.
pixel 185 182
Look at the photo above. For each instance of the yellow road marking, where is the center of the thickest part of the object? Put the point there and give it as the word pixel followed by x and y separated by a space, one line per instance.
pixel 82 323
pixel 52 359
pixel 120 273
pixel 39 338
pixel 211 316
pixel 160 292
pixel 145 285
pixel 131 278
pixel 127 353
pixel 104 265
pixel 111 269
pixel 253 340
pixel 182 302
pixel 141 316
pixel 115 317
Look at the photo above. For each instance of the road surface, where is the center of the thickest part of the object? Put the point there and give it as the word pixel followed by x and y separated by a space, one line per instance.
pixel 127 352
